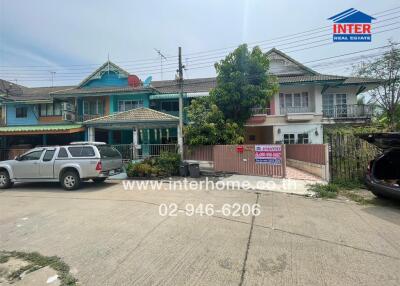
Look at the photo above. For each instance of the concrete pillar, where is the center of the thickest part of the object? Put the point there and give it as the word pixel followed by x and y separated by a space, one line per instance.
pixel 44 139
pixel 135 142
pixel 110 137
pixel 91 134
pixel 180 142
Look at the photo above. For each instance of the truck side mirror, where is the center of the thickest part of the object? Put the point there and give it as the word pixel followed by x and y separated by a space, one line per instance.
pixel 17 158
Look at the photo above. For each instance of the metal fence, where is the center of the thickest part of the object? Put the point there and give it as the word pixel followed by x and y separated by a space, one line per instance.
pixel 198 153
pixel 11 153
pixel 131 152
pixel 310 153
pixel 349 156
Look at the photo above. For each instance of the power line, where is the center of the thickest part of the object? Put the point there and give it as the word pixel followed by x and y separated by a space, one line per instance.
pixel 152 60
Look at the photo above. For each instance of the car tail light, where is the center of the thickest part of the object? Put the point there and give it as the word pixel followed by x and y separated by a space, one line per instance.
pixel 98 166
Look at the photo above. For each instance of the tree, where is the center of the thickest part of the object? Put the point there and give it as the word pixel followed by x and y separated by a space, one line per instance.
pixel 387 95
pixel 243 82
pixel 207 125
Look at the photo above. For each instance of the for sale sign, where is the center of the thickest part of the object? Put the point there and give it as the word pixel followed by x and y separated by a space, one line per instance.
pixel 268 154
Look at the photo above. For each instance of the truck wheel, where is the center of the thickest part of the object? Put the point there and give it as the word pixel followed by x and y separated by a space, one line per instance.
pixel 5 181
pixel 99 180
pixel 70 180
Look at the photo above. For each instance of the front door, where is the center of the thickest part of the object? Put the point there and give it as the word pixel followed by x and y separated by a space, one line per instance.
pixel 27 167
pixel 328 106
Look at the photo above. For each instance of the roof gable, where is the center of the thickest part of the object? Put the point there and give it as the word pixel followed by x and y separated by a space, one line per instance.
pixel 109 74
pixel 282 64
pixel 351 16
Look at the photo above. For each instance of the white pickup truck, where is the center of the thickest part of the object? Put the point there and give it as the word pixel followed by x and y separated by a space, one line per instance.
pixel 68 165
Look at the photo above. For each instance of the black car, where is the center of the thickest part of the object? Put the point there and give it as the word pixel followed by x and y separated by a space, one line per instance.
pixel 383 175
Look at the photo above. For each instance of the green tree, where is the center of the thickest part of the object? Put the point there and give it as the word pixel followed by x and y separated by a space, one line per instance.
pixel 207 125
pixel 387 95
pixel 243 82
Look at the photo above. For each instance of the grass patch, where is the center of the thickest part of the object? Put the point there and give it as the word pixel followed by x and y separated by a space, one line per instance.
pixel 349 184
pixel 324 191
pixel 37 261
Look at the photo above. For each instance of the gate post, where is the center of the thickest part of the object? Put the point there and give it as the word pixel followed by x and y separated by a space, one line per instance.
pixel 283 160
pixel 327 166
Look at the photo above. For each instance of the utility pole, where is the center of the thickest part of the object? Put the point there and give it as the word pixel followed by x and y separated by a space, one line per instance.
pixel 180 82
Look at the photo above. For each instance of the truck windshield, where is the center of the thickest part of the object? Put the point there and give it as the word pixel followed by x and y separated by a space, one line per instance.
pixel 107 151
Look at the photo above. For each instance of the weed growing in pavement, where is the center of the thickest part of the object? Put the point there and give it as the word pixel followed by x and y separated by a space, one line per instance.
pixel 324 191
pixel 37 261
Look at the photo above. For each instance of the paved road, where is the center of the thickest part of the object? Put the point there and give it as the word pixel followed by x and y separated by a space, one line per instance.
pixel 114 237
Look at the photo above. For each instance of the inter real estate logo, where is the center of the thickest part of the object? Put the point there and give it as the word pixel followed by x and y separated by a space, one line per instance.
pixel 352 26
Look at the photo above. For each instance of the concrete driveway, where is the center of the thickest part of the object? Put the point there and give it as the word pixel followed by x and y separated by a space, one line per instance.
pixel 114 237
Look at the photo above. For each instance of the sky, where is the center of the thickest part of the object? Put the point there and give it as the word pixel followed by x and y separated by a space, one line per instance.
pixel 67 40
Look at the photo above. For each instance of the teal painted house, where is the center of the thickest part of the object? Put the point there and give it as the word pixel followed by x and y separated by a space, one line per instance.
pixel 60 115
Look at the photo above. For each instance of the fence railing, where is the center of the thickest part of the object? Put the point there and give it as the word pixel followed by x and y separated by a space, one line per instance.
pixel 131 152
pixel 347 111
pixel 261 111
pixel 296 109
pixel 198 153
pixel 349 156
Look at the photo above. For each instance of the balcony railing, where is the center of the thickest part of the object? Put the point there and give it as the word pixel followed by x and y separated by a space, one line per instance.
pixel 261 111
pixel 296 109
pixel 348 111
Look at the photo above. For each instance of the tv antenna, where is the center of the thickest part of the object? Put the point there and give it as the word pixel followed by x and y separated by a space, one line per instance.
pixel 53 73
pixel 162 57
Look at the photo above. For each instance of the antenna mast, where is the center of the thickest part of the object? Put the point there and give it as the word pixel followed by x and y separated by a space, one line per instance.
pixel 162 57
pixel 53 73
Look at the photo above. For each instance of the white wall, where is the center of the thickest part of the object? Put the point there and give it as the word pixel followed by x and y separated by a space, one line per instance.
pixel 298 128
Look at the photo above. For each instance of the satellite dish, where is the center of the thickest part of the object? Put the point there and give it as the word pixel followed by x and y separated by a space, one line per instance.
pixel 147 81
pixel 133 80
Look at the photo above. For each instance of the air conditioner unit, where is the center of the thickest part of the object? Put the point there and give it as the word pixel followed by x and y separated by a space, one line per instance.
pixel 67 106
pixel 68 116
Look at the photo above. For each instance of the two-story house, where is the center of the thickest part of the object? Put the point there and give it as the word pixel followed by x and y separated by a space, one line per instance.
pixel 114 106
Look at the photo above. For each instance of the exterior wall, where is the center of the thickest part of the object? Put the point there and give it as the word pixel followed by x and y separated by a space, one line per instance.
pixel 108 79
pixel 50 119
pixel 32 115
pixel 263 135
pixel 295 128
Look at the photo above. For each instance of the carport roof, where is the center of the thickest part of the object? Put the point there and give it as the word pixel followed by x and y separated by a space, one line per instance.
pixel 41 129
pixel 141 116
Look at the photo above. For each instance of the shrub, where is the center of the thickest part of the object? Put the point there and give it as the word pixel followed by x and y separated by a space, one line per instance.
pixel 324 191
pixel 168 163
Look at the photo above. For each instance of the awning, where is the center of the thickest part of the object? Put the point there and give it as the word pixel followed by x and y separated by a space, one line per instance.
pixel 41 129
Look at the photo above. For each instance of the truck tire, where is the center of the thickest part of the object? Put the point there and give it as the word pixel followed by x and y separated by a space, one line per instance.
pixel 70 180
pixel 99 180
pixel 5 181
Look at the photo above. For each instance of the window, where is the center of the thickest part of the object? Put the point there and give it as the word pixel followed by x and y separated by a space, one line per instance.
pixel 93 107
pixel 302 138
pixel 48 156
pixel 125 105
pixel 288 139
pixel 170 106
pixel 108 152
pixel 35 155
pixel 21 112
pixel 62 153
pixel 297 100
pixel 81 151
pixel 50 109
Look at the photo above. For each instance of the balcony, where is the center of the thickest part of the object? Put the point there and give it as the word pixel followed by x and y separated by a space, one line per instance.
pixel 298 113
pixel 261 111
pixel 348 112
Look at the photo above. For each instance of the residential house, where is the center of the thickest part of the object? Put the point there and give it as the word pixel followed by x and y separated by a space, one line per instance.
pixel 114 106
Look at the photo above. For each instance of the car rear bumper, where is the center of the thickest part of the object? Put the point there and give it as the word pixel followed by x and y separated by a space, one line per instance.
pixel 379 188
pixel 108 173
